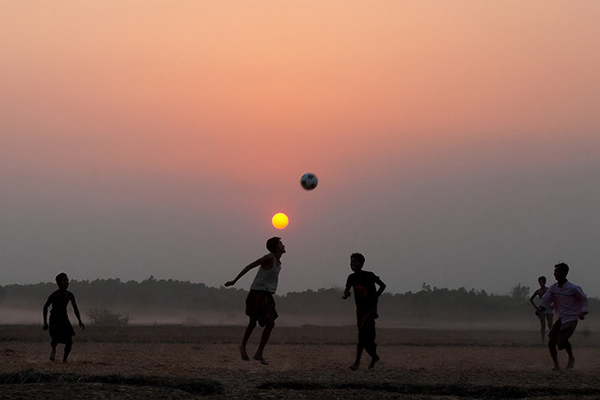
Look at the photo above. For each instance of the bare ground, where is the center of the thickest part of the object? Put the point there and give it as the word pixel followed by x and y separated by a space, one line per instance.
pixel 181 362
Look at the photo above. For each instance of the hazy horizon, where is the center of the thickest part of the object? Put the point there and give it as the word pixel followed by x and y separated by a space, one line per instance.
pixel 456 143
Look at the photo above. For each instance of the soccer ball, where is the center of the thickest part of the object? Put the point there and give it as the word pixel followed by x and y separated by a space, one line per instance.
pixel 309 181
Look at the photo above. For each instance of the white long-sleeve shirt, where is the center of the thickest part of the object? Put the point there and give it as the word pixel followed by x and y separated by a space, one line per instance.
pixel 569 301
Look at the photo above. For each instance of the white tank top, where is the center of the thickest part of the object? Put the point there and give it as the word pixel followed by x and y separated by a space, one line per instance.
pixel 266 279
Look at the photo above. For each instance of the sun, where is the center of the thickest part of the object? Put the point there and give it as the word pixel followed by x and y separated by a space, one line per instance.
pixel 280 220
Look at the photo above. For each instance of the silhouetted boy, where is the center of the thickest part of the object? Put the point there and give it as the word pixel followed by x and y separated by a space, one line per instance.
pixel 365 296
pixel 60 327
pixel 570 305
pixel 260 304
pixel 546 315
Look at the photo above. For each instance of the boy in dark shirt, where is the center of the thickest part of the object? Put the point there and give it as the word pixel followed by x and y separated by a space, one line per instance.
pixel 365 297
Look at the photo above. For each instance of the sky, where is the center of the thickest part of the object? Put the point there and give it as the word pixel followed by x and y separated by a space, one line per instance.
pixel 457 143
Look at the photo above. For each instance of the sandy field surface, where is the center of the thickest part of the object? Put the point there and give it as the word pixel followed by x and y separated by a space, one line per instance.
pixel 310 362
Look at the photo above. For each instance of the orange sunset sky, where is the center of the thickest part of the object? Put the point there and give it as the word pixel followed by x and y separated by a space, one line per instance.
pixel 457 143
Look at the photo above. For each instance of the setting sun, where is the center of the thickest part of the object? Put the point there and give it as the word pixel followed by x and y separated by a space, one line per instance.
pixel 280 220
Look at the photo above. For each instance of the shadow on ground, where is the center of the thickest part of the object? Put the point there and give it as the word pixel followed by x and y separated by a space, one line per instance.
pixel 196 387
pixel 461 391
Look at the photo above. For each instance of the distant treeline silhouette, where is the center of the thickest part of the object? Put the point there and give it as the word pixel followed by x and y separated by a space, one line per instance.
pixel 116 300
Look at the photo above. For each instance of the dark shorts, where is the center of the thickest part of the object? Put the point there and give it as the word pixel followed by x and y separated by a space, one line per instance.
pixel 260 305
pixel 560 333
pixel 365 317
pixel 365 320
pixel 61 330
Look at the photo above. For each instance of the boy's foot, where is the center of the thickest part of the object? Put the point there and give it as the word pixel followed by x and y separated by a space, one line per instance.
pixel 374 361
pixel 262 360
pixel 571 363
pixel 244 354
pixel 354 366
pixel 52 355
pixel 556 368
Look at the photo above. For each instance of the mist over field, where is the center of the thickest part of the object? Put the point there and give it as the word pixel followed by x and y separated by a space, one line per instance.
pixel 159 302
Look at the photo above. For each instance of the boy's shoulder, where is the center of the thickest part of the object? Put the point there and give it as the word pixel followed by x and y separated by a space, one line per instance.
pixel 572 286
pixel 61 293
pixel 363 273
pixel 368 272
pixel 552 287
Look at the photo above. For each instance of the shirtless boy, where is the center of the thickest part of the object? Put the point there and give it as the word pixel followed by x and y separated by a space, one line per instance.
pixel 60 327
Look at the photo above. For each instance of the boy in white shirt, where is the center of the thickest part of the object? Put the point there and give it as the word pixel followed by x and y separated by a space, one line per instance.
pixel 570 305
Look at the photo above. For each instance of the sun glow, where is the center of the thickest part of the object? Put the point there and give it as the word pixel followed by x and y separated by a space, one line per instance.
pixel 280 220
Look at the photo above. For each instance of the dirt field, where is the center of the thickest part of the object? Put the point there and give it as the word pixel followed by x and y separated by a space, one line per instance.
pixel 180 362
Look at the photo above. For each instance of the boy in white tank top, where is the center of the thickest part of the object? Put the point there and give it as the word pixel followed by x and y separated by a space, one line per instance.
pixel 260 304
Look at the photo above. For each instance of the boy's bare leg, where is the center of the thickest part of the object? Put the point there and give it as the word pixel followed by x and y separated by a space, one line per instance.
pixel 543 328
pixel 359 350
pixel 53 351
pixel 68 347
pixel 370 345
pixel 243 353
pixel 374 360
pixel 263 342
pixel 569 351
pixel 554 355
pixel 372 351
pixel 247 333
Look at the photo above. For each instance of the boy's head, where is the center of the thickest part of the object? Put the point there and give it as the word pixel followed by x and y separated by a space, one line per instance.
pixel 542 280
pixel 272 243
pixel 560 271
pixel 62 280
pixel 357 261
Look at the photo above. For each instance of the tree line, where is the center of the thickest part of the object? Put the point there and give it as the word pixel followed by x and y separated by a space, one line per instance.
pixel 113 301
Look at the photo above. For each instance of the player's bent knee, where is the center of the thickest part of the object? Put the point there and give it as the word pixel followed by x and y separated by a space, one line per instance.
pixel 563 344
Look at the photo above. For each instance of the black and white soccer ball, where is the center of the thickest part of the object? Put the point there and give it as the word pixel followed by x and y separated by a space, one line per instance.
pixel 309 181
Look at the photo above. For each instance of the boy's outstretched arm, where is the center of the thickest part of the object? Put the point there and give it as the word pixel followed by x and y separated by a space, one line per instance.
pixel 247 268
pixel 382 286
